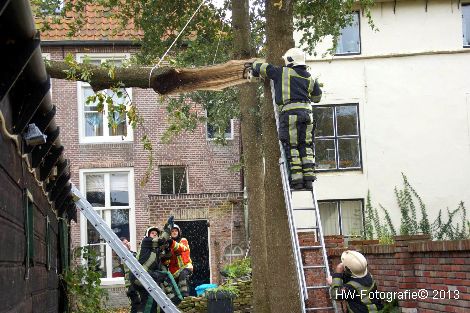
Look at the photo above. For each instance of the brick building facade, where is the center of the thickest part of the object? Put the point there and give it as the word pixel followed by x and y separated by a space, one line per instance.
pixel 111 166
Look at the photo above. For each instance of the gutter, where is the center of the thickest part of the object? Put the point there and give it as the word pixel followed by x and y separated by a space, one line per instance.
pixel 114 43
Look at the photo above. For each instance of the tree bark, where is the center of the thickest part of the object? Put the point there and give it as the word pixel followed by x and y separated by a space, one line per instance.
pixel 252 156
pixel 164 80
pixel 285 293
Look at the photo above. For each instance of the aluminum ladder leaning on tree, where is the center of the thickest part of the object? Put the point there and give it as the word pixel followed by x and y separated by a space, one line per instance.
pixel 295 202
pixel 126 256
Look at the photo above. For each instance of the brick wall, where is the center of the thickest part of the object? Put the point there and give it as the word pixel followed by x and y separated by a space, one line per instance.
pixel 214 207
pixel 438 270
pixel 207 164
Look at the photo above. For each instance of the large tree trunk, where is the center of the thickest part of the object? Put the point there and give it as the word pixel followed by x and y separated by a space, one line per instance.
pixel 285 293
pixel 252 156
pixel 164 80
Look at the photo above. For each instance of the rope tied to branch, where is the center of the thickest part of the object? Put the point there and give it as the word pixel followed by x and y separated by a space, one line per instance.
pixel 174 41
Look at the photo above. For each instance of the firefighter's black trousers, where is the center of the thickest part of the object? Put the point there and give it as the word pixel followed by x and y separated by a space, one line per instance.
pixel 296 129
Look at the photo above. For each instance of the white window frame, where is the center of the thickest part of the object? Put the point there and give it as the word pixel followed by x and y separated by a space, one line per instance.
pixel 465 36
pixel 336 137
pixel 358 14
pixel 132 221
pixel 106 138
pixel 174 166
pixel 340 215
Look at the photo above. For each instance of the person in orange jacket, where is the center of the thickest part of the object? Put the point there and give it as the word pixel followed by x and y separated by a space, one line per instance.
pixel 179 261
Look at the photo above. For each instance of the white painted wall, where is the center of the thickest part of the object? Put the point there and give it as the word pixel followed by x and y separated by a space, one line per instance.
pixel 414 110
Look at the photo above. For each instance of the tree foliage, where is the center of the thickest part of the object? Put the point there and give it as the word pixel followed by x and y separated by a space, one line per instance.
pixel 208 39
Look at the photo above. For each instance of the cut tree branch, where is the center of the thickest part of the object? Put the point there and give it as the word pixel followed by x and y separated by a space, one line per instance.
pixel 164 80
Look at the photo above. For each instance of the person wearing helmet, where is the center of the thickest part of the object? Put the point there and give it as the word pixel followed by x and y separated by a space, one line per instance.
pixel 294 89
pixel 354 284
pixel 179 263
pixel 149 256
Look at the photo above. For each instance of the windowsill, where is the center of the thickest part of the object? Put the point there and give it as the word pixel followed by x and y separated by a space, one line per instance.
pixel 335 171
pixel 112 281
pixel 107 140
pixel 226 138
pixel 346 54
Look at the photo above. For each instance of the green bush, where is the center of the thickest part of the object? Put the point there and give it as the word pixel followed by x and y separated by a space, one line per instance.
pixel 82 283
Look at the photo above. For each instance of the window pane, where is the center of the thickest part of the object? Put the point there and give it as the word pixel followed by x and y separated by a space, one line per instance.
pixel 100 259
pixel 346 120
pixel 95 189
pixel 166 180
pixel 351 218
pixel 119 192
pixel 324 120
pixel 348 41
pixel 349 153
pixel 466 24
pixel 92 234
pixel 120 222
pixel 118 125
pixel 329 218
pixel 180 180
pixel 93 124
pixel 213 129
pixel 118 266
pixel 325 154
pixel 93 118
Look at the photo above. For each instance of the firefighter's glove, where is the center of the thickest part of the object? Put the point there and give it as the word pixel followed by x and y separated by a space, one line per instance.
pixel 133 295
pixel 169 224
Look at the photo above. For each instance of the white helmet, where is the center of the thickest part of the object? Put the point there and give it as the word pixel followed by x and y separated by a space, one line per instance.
pixel 294 56
pixel 356 263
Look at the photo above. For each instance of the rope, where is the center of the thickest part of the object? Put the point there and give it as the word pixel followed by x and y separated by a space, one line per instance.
pixel 174 41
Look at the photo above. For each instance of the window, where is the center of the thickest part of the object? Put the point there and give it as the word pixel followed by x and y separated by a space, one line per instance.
pixel 95 126
pixel 466 24
pixel 212 131
pixel 349 41
pixel 215 127
pixel 173 180
pixel 343 217
pixel 233 252
pixel 337 140
pixel 111 194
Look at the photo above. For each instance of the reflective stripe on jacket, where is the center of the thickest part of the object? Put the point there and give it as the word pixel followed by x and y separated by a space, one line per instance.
pixel 292 85
pixel 180 256
pixel 359 293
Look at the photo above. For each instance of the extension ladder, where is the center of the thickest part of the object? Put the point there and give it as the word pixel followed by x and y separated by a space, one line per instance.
pixel 303 202
pixel 126 256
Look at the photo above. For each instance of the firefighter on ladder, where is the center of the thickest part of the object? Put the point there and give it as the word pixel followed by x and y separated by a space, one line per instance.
pixel 294 89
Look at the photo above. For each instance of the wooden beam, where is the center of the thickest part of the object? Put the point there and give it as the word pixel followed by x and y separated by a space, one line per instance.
pixel 22 50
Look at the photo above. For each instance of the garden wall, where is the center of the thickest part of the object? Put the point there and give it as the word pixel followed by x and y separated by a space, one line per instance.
pixel 435 273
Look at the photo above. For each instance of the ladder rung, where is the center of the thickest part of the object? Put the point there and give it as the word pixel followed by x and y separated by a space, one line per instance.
pixel 313 266
pixel 310 247
pixel 304 209
pixel 317 309
pixel 305 228
pixel 317 287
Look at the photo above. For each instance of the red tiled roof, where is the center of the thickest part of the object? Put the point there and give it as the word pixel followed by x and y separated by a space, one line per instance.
pixel 97 26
